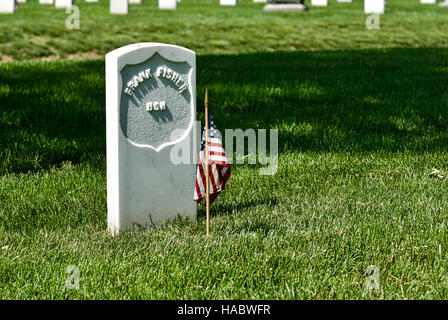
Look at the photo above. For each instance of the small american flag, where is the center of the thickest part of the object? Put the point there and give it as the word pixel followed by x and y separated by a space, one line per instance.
pixel 219 168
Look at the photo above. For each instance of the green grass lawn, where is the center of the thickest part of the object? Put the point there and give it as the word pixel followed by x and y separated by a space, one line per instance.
pixel 37 31
pixel 362 118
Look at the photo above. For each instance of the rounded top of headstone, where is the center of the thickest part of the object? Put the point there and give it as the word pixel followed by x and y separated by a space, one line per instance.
pixel 156 90
pixel 142 45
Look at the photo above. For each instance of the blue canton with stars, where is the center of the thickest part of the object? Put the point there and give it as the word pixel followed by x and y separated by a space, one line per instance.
pixel 212 131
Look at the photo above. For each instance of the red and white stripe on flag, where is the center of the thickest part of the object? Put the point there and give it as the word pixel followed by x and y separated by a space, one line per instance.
pixel 219 167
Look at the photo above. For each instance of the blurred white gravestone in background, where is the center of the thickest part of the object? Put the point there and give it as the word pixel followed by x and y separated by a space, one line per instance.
pixel 62 4
pixel 167 4
pixel 7 6
pixel 19 1
pixel 260 1
pixel 285 6
pixel 346 1
pixel 443 4
pixel 150 115
pixel 319 3
pixel 46 1
pixel 91 0
pixel 428 1
pixel 227 2
pixel 118 6
pixel 135 1
pixel 374 6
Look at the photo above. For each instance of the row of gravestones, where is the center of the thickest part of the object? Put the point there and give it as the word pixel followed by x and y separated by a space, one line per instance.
pixel 370 6
pixel 116 6
pixel 121 6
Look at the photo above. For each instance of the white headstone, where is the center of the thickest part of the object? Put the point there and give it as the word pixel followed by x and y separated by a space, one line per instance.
pixel 7 6
pixel 374 6
pixel 260 1
pixel 443 4
pixel 428 1
pixel 62 4
pixel 91 0
pixel 347 1
pixel 285 7
pixel 21 1
pixel 118 6
pixel 319 3
pixel 135 1
pixel 227 2
pixel 150 112
pixel 167 4
pixel 46 1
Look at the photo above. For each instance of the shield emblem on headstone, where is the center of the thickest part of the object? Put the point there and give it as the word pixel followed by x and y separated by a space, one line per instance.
pixel 156 102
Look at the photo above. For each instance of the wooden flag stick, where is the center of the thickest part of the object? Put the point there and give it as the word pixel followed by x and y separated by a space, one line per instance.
pixel 207 175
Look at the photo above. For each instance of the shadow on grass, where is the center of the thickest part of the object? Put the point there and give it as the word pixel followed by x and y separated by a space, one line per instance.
pixel 349 101
pixel 225 209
